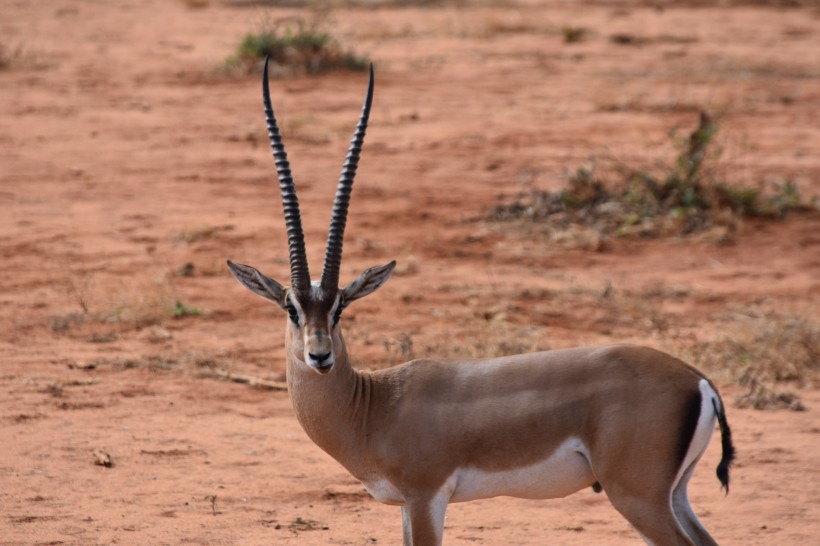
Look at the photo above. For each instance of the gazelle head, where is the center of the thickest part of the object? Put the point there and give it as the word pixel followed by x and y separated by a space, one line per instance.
pixel 314 308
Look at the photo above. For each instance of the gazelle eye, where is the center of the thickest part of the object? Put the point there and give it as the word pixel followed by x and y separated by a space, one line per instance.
pixel 294 316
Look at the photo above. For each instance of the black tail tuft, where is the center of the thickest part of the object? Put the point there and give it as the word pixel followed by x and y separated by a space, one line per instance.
pixel 726 443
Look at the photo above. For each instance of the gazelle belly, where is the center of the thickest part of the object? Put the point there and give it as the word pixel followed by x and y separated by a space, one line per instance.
pixel 562 473
pixel 384 491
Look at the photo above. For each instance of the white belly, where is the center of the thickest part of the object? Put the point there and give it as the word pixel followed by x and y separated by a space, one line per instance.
pixel 564 472
pixel 384 491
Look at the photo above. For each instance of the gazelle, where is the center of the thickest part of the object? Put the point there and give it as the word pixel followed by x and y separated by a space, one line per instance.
pixel 629 420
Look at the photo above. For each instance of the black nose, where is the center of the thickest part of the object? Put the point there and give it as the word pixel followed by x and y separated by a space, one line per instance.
pixel 319 358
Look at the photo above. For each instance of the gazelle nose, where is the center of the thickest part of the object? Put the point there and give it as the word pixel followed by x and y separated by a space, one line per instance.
pixel 319 359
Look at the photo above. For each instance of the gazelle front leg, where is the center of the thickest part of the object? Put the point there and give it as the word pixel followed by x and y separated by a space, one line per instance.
pixel 423 520
pixel 406 530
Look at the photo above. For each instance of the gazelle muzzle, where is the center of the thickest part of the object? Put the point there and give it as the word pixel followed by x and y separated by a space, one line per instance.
pixel 319 353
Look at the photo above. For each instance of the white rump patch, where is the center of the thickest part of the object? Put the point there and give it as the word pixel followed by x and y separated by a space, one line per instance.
pixel 703 430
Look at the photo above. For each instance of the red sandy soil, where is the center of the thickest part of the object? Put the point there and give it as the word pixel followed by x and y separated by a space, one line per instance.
pixel 125 154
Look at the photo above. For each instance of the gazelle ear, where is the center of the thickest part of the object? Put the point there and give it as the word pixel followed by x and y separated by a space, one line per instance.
pixel 258 283
pixel 368 282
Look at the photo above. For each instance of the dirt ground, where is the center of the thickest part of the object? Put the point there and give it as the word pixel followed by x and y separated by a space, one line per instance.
pixel 131 168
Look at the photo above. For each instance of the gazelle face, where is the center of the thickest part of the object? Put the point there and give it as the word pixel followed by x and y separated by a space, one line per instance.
pixel 312 323
pixel 314 336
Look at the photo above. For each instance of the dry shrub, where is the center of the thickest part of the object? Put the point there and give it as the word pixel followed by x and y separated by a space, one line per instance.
pixel 294 46
pixel 760 395
pixel 690 195
pixel 763 354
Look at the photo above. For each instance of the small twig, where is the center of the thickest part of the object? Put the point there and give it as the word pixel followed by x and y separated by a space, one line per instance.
pixel 251 381
pixel 212 498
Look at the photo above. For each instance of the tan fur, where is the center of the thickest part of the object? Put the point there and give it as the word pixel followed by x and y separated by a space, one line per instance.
pixel 416 424
pixel 494 414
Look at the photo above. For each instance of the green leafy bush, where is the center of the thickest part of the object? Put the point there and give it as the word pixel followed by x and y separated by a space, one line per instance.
pixel 686 197
pixel 294 46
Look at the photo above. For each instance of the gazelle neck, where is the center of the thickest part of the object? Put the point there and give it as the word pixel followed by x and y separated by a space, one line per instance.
pixel 333 408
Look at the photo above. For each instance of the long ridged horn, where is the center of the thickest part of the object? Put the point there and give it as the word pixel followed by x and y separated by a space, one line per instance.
pixel 299 274
pixel 335 238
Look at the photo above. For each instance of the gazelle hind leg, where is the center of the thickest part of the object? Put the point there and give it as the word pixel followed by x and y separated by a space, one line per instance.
pixel 653 518
pixel 700 440
pixel 684 513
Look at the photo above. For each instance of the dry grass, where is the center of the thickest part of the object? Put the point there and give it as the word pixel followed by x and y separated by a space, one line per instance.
pixel 7 57
pixel 574 34
pixel 196 4
pixel 767 354
pixel 18 57
pixel 145 304
pixel 105 310
pixel 202 233
pixel 773 348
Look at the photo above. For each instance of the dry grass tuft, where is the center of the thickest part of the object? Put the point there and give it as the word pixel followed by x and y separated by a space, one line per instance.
pixel 12 57
pixel 763 354
pixel 196 4
pixel 22 57
pixel 573 34
pixel 147 304
pixel 773 348
pixel 759 395
pixel 143 303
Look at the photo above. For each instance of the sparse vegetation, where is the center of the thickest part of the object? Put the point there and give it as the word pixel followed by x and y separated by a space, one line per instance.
pixel 182 310
pixel 206 233
pixel 766 354
pixel 16 57
pixel 573 34
pixel 294 45
pixel 778 348
pixel 760 395
pixel 686 197
pixel 6 57
pixel 145 304
pixel 196 4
